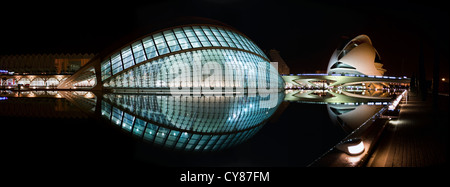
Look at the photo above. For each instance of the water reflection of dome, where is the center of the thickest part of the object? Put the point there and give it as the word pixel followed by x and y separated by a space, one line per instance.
pixel 188 123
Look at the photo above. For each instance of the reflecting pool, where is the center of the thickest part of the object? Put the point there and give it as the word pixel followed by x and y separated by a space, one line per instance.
pixel 82 128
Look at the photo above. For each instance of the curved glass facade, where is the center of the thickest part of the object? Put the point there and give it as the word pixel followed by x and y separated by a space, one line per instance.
pixel 148 62
pixel 206 123
pixel 159 73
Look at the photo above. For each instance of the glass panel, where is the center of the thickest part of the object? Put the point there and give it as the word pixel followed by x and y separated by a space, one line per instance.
pixel 182 140
pixel 211 142
pixel 235 41
pixel 192 37
pixel 202 142
pixel 227 38
pixel 127 57
pixel 150 131
pixel 138 52
pixel 247 43
pixel 139 126
pixel 106 69
pixel 106 110
pixel 201 36
pixel 160 43
pixel 194 139
pixel 219 37
pixel 116 62
pixel 171 41
pixel 237 36
pixel 116 116
pixel 150 48
pixel 210 36
pixel 173 136
pixel 127 123
pixel 161 135
pixel 182 38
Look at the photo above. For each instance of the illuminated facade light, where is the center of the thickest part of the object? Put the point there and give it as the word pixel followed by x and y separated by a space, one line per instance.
pixel 352 146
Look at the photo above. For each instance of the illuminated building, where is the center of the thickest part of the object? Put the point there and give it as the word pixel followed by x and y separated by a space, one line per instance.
pixel 358 56
pixel 151 61
pixel 39 71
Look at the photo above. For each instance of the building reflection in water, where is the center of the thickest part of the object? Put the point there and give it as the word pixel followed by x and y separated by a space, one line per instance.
pixel 346 108
pixel 188 123
pixel 350 117
pixel 200 124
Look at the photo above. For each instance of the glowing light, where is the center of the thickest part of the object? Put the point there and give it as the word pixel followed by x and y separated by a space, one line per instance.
pixel 351 146
pixel 356 149
pixel 396 101
pixel 89 95
pixel 443 79
pixel 395 122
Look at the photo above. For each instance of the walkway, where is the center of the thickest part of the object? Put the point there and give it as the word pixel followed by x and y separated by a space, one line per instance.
pixel 417 138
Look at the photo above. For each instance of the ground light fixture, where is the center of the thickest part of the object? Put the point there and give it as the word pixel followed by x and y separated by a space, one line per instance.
pixel 353 146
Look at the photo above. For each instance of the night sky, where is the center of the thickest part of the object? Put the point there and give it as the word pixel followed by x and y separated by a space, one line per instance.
pixel 305 32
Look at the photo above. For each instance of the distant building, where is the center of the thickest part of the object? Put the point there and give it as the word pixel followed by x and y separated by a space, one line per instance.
pixel 358 57
pixel 39 71
pixel 274 56
pixel 355 65
pixel 44 63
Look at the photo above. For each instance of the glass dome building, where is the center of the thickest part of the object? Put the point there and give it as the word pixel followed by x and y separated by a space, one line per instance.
pixel 188 56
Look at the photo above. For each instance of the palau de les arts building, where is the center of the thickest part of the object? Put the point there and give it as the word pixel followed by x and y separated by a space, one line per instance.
pixel 357 57
pixel 356 64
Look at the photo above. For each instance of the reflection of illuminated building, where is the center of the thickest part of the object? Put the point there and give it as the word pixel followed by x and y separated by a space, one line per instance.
pixel 206 123
pixel 339 96
pixel 188 123
pixel 350 117
pixel 39 104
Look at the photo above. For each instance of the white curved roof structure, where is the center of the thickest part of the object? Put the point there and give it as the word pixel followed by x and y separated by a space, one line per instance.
pixel 358 56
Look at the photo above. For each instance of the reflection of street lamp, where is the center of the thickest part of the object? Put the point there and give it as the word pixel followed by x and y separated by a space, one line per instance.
pixel 352 146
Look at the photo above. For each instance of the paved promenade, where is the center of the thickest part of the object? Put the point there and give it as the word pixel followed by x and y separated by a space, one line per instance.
pixel 418 138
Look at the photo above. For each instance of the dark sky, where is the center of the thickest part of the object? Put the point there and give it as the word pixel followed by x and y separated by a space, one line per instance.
pixel 305 32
